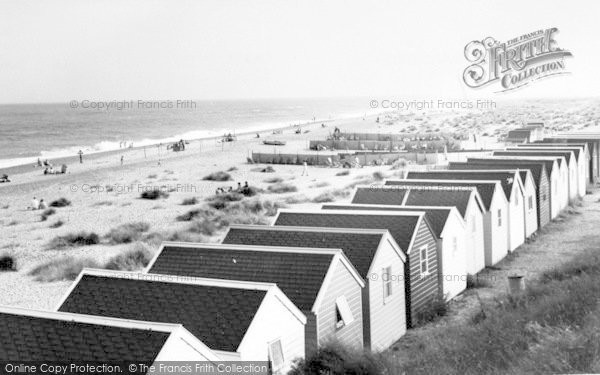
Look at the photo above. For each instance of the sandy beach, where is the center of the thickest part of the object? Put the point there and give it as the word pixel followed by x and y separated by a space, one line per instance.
pixel 104 194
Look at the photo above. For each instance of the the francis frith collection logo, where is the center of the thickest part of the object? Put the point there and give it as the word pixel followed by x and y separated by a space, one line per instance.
pixel 515 63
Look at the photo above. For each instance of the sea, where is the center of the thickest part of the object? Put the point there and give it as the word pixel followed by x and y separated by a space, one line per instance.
pixel 47 131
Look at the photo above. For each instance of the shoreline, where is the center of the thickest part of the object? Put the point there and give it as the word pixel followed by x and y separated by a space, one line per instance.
pixel 31 164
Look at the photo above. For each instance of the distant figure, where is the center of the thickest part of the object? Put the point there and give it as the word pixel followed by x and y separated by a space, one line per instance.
pixel 46 164
pixel 80 153
pixel 39 162
pixel 305 169
pixel 230 190
pixel 323 125
pixel 63 169
pixel 35 204
pixel 257 135
pixel 122 157
pixel 239 188
pixel 246 185
pixel 43 204
pixel 4 178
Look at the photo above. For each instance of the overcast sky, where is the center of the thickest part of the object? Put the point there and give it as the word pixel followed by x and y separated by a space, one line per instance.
pixel 55 51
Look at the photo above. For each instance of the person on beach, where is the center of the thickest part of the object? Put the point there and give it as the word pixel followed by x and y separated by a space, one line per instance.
pixel 122 157
pixel 35 204
pixel 80 156
pixel 305 169
pixel 4 178
pixel 43 204
pixel 39 162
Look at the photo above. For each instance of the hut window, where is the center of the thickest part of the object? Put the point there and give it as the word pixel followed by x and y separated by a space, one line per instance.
pixel 276 355
pixel 424 261
pixel 530 200
pixel 343 313
pixel 387 282
pixel 499 218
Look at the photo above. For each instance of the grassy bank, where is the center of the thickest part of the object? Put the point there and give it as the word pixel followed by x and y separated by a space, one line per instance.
pixel 554 327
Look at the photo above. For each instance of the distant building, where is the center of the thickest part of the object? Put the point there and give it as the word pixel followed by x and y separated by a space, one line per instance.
pixel 531 132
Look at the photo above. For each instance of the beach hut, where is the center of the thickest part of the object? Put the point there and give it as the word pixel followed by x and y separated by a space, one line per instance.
pixel 546 186
pixel 581 155
pixel 519 135
pixel 522 222
pixel 593 146
pixel 558 172
pixel 519 188
pixel 536 170
pixel 571 167
pixel 467 201
pixel 450 231
pixel 374 253
pixel 42 336
pixel 411 231
pixel 238 321
pixel 495 219
pixel 322 283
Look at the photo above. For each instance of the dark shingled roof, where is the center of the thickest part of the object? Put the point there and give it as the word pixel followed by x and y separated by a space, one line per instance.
pixel 521 134
pixel 430 197
pixel 536 167
pixel 577 151
pixel 549 163
pixel 437 216
pixel 466 167
pixel 485 189
pixel 218 316
pixel 378 195
pixel 566 155
pixel 299 275
pixel 29 338
pixel 360 248
pixel 385 195
pixel 506 179
pixel 401 227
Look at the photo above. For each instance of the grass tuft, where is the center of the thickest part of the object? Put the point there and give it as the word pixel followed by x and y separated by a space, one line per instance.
pixel 48 212
pixel 7 263
pixel 127 233
pixel 154 194
pixel 282 188
pixel 218 176
pixel 136 258
pixel 60 202
pixel 273 180
pixel 63 268
pixel 74 239
pixel 57 224
pixel 189 201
